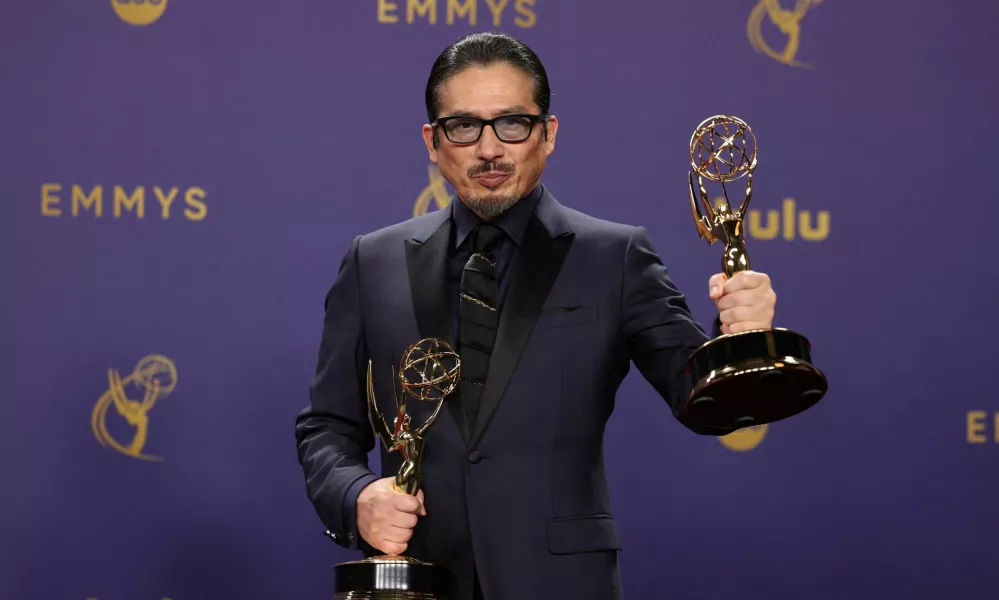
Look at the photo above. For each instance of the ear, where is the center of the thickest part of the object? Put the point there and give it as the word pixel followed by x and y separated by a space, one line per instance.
pixel 428 139
pixel 551 129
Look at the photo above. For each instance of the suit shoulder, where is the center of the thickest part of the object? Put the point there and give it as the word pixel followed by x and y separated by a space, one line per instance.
pixel 419 227
pixel 590 226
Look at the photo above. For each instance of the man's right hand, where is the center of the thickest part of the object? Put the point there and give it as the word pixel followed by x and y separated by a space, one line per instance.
pixel 386 517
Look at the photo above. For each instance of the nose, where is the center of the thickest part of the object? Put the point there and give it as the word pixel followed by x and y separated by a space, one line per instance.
pixel 489 147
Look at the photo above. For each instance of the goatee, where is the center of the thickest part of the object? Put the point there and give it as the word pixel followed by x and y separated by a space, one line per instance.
pixel 490 207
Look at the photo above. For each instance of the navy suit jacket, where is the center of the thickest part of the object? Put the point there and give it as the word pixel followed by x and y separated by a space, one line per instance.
pixel 521 498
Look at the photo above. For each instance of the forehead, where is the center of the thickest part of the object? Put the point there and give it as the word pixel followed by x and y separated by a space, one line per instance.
pixel 485 91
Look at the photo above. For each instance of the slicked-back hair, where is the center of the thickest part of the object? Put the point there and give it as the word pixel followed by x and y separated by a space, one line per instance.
pixel 484 49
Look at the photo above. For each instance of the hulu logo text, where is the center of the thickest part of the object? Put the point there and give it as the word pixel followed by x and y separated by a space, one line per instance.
pixel 788 224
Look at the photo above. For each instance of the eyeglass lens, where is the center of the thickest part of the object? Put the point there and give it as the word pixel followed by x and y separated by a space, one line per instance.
pixel 508 129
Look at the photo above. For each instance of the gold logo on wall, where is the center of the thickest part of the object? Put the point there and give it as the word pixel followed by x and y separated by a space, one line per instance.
pixel 139 12
pixel 977 425
pixel 789 223
pixel 462 12
pixel 788 21
pixel 744 439
pixel 121 203
pixel 154 377
pixel 436 192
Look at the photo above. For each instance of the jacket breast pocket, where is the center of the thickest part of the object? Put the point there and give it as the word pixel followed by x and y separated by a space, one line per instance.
pixel 588 533
pixel 566 316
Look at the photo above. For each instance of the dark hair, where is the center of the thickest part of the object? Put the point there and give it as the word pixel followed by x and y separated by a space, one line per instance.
pixel 482 49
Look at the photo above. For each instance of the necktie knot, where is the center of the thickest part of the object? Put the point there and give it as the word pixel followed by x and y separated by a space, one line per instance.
pixel 485 237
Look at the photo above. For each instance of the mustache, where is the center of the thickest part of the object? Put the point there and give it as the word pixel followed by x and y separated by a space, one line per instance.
pixel 489 167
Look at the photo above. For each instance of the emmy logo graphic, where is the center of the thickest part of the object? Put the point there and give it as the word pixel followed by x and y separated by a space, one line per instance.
pixel 139 12
pixel 436 192
pixel 154 377
pixel 789 24
pixel 744 439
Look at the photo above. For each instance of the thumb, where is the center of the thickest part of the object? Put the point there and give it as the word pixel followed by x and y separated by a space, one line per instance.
pixel 716 285
pixel 423 508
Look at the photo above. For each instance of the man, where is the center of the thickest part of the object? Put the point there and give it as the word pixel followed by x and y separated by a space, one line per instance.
pixel 546 306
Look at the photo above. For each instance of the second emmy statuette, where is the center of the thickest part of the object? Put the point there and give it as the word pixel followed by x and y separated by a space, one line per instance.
pixel 752 377
pixel 428 372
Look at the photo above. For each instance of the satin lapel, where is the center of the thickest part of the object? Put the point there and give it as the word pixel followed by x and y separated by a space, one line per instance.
pixel 427 266
pixel 540 259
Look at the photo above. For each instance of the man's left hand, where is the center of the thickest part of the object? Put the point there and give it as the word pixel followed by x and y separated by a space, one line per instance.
pixel 745 302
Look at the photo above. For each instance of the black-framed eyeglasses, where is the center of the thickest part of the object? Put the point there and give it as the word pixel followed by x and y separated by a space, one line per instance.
pixel 508 128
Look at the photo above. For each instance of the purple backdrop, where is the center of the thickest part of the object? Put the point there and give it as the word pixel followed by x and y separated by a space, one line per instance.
pixel 273 132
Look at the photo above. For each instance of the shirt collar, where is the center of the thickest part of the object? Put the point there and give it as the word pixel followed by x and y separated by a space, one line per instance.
pixel 513 222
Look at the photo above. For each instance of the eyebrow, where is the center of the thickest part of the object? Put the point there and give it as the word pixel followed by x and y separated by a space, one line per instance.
pixel 511 110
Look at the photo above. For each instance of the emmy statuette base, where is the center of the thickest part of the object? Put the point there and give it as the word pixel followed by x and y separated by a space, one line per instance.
pixel 752 378
pixel 389 578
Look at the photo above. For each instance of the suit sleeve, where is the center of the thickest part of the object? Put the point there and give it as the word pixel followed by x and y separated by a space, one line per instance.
pixel 659 328
pixel 333 433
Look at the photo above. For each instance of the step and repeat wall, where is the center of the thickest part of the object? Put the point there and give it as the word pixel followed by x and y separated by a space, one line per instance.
pixel 180 180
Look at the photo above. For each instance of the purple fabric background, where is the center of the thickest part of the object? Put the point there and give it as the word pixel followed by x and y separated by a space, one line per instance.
pixel 300 122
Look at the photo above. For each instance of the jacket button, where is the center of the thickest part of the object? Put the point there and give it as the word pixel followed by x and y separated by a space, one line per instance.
pixel 474 456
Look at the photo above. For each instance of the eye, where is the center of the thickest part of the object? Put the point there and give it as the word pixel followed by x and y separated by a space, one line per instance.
pixel 462 125
pixel 514 123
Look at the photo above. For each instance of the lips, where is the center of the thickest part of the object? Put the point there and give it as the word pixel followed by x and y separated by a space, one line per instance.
pixel 492 178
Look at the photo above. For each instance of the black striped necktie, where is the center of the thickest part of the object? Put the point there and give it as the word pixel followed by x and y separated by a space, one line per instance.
pixel 479 318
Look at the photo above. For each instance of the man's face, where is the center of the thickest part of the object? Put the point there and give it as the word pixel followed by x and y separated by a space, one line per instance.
pixel 490 175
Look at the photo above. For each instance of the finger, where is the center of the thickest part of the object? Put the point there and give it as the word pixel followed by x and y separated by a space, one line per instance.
pixel 736 315
pixel 746 326
pixel 403 520
pixel 744 280
pixel 392 548
pixel 407 504
pixel 423 507
pixel 398 535
pixel 715 285
pixel 739 298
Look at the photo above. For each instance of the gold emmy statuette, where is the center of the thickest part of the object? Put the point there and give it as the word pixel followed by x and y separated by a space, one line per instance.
pixel 428 372
pixel 753 377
